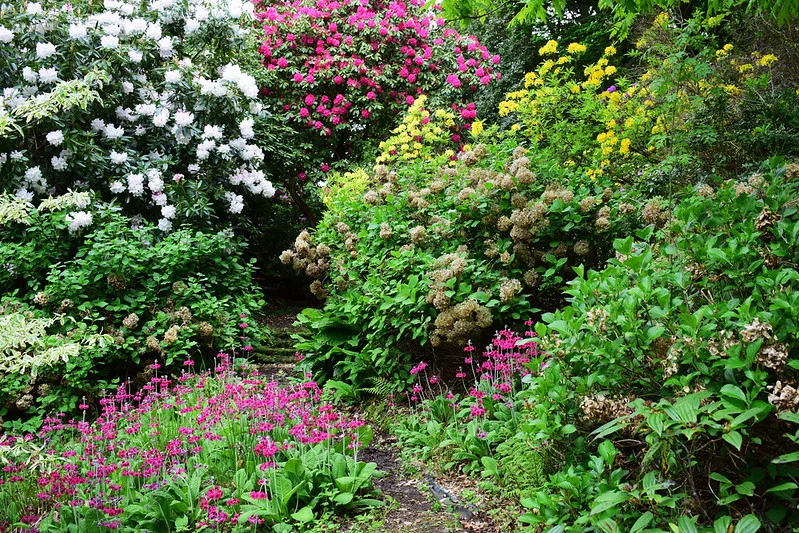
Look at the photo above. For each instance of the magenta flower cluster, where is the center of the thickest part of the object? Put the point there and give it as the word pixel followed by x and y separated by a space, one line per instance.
pixel 212 422
pixel 492 378
pixel 337 62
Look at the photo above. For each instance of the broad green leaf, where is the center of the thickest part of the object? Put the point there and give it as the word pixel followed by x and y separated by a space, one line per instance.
pixel 747 524
pixel 642 522
pixel 303 515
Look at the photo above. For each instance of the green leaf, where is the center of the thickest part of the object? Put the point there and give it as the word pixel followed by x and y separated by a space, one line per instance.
pixel 687 525
pixel 722 525
pixel 734 391
pixel 747 524
pixel 642 522
pixel 609 500
pixel 304 515
pixel 790 485
pixel 343 498
pixel 734 438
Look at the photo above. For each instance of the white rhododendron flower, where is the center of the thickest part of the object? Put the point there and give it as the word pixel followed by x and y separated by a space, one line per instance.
pixel 114 132
pixel 183 118
pixel 78 220
pixel 55 137
pixel 109 42
pixel 172 76
pixel 135 184
pixel 135 55
pixel 167 108
pixel 48 75
pixel 6 35
pixel 118 158
pixel 77 31
pixel 44 50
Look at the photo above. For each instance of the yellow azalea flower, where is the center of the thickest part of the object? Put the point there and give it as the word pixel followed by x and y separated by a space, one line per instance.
pixel 609 71
pixel 550 48
pixel 477 127
pixel 732 90
pixel 624 148
pixel 576 48
pixel 516 127
pixel 746 67
pixel 629 122
pixel 575 89
pixel 611 124
pixel 767 60
pixel 728 47
pixel 661 19
pixel 563 60
pixel 610 51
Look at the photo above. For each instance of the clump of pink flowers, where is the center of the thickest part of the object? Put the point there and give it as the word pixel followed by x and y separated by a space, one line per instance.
pixel 195 431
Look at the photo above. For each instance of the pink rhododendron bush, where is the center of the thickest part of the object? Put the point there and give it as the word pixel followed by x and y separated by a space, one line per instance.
pixel 227 450
pixel 153 105
pixel 341 71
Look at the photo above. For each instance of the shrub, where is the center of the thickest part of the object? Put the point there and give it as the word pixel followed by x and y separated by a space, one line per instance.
pixel 684 346
pixel 689 115
pixel 341 72
pixel 150 104
pixel 429 253
pixel 167 299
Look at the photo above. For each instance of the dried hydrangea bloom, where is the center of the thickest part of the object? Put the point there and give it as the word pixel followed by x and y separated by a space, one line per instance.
pixel 318 290
pixel 531 278
pixel 417 233
pixel 183 314
pixel 385 231
pixel 784 396
pixel 581 248
pixel 286 256
pixel 131 321
pixel 587 203
pixel 342 227
pixel 705 191
pixel 371 198
pixel 171 335
pixel 508 289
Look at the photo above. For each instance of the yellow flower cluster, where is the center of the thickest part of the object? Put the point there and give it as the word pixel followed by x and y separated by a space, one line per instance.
pixel 419 131
pixel 344 188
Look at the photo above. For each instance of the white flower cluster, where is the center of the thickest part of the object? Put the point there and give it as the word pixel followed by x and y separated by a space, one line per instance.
pixel 161 89
pixel 78 220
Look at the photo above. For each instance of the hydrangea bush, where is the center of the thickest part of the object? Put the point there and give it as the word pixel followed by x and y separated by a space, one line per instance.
pixel 152 105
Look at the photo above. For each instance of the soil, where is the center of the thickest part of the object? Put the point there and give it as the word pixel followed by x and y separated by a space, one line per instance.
pixel 420 505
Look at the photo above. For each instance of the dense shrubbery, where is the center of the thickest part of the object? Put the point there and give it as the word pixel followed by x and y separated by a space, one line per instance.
pixel 431 253
pixel 153 105
pixel 665 392
pixel 605 157
pixel 149 297
pixel 341 72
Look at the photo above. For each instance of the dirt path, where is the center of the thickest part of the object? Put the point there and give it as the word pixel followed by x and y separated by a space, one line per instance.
pixel 416 504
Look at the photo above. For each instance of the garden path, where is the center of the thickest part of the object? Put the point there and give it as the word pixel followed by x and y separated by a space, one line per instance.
pixel 416 504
